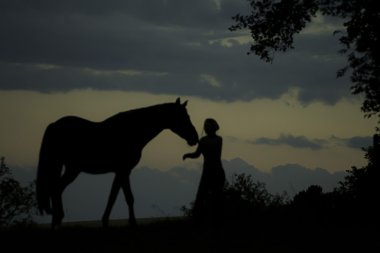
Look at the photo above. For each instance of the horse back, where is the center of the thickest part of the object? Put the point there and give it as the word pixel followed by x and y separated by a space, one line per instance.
pixel 94 146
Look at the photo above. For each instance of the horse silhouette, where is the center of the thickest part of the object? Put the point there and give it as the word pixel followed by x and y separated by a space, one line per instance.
pixel 72 145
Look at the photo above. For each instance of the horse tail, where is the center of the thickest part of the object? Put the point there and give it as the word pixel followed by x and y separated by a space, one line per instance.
pixel 49 169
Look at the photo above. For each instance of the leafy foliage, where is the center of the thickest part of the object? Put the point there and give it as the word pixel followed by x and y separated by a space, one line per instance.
pixel 245 198
pixel 274 23
pixel 244 191
pixel 16 202
pixel 310 197
pixel 360 190
pixel 352 203
pixel 360 181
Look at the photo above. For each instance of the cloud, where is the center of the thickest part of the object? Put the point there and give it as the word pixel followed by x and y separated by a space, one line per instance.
pixel 359 142
pixel 355 142
pixel 211 80
pixel 165 47
pixel 293 141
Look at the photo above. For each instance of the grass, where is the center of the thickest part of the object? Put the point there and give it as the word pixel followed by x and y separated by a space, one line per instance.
pixel 112 223
pixel 180 235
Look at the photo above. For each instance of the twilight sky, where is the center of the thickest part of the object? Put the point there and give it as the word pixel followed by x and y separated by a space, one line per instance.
pixel 93 60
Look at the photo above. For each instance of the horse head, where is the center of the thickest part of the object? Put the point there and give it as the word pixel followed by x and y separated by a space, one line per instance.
pixel 181 123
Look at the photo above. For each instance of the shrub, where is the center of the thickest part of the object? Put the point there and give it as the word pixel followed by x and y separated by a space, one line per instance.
pixel 16 202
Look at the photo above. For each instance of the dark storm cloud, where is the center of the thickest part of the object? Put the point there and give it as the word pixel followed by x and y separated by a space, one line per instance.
pixel 170 46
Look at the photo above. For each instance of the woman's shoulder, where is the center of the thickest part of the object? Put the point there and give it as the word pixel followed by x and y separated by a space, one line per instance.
pixel 210 138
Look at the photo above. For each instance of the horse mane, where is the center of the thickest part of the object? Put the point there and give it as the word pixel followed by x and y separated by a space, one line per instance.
pixel 139 113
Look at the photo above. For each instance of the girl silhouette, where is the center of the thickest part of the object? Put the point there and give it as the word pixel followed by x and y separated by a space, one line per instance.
pixel 208 201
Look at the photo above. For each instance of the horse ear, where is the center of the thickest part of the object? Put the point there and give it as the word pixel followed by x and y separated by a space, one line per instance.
pixel 184 103
pixel 178 101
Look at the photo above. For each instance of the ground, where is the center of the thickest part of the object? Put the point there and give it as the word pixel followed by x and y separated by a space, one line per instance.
pixel 181 235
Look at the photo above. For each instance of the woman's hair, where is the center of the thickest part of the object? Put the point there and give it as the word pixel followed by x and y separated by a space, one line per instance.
pixel 210 125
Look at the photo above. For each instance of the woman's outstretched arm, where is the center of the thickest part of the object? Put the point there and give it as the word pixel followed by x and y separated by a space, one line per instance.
pixel 193 155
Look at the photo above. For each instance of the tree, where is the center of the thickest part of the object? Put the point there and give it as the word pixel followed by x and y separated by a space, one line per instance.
pixel 247 199
pixel 273 23
pixel 252 193
pixel 16 202
pixel 361 187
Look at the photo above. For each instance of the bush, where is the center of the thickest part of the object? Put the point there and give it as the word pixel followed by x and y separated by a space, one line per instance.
pixel 16 202
pixel 244 199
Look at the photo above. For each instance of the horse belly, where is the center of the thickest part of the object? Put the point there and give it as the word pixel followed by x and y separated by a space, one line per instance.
pixel 92 150
pixel 97 162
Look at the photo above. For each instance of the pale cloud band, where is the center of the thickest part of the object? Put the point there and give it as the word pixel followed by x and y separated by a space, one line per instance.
pixel 355 142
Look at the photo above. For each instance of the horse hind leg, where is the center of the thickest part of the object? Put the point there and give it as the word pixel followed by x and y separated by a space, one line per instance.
pixel 57 205
pixel 111 200
pixel 130 201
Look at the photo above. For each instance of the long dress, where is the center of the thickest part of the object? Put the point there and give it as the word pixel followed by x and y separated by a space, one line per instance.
pixel 210 191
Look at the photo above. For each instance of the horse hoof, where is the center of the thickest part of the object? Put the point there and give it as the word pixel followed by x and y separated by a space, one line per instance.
pixel 105 224
pixel 133 224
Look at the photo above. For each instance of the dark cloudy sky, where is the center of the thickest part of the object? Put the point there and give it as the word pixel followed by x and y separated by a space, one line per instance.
pixel 94 59
pixel 161 47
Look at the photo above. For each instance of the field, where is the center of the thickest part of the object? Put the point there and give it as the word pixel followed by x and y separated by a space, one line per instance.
pixel 180 235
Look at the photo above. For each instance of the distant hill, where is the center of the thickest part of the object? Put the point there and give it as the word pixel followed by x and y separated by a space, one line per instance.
pixel 291 178
pixel 163 193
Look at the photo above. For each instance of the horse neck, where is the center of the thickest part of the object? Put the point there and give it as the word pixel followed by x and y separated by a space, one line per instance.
pixel 143 125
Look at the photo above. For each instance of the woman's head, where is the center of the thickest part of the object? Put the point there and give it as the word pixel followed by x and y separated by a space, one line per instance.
pixel 210 126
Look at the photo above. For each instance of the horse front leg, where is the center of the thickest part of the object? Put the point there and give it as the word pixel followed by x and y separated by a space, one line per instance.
pixel 57 206
pixel 130 201
pixel 111 199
